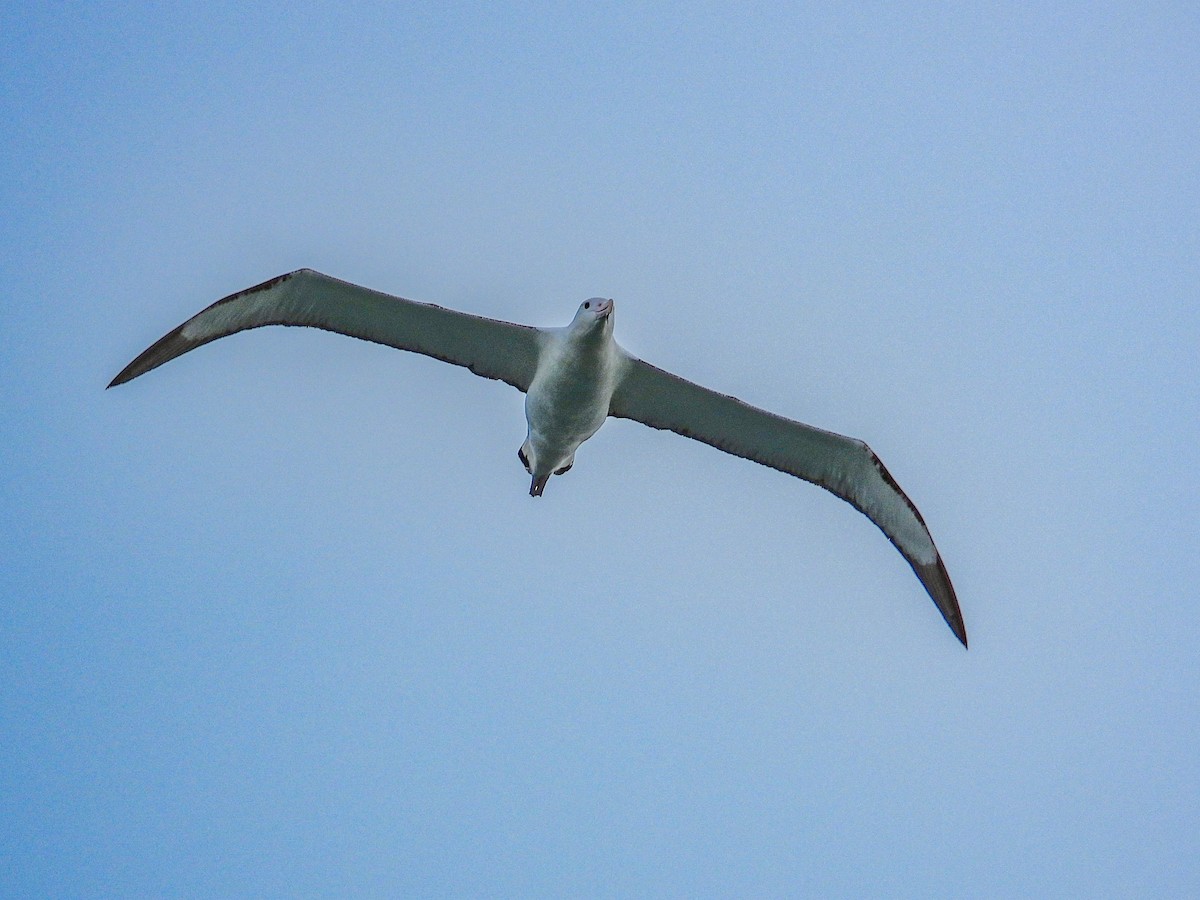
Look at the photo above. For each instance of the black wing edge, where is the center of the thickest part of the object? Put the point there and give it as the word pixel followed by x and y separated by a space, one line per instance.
pixel 173 343
pixel 933 576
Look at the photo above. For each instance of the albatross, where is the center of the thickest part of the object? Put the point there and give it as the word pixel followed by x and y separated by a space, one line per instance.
pixel 573 379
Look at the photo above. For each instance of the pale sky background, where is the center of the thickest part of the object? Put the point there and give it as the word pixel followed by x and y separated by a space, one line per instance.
pixel 279 619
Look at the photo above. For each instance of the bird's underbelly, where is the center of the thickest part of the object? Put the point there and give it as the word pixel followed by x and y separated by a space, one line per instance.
pixel 568 400
pixel 563 413
pixel 564 408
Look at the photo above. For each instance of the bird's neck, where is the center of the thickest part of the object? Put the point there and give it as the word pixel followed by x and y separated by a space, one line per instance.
pixel 594 341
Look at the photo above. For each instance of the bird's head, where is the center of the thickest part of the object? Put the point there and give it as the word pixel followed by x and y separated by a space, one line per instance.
pixel 593 315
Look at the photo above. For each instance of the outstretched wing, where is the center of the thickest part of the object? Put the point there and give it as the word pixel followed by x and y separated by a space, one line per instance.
pixel 487 347
pixel 842 465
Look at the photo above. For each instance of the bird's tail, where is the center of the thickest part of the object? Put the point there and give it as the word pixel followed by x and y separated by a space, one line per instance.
pixel 538 485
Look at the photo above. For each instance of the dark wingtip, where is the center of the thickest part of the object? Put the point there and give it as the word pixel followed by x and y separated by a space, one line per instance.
pixel 163 350
pixel 174 344
pixel 936 580
pixel 960 632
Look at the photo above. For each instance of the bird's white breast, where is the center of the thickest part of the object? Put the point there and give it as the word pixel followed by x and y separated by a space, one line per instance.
pixel 570 394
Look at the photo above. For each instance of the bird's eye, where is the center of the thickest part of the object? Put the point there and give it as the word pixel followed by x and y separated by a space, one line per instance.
pixel 587 305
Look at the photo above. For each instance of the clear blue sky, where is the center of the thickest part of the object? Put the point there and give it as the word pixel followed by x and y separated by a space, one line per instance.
pixel 280 618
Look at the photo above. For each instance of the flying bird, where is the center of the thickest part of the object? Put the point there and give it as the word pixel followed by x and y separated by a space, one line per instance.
pixel 573 379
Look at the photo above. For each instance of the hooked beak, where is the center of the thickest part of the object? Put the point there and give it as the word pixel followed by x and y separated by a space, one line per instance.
pixel 604 309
